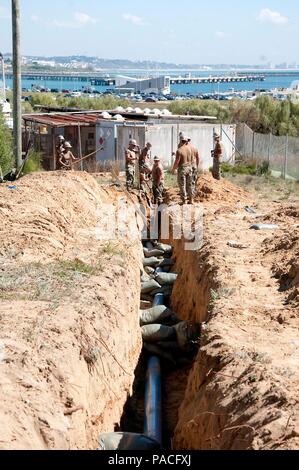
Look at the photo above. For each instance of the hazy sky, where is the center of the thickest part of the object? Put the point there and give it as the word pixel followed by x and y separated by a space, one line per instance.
pixel 180 31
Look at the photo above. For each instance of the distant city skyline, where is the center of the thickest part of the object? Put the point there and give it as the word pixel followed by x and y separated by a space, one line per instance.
pixel 231 32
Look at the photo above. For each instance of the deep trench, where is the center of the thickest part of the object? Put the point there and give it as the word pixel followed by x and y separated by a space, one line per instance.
pixel 174 377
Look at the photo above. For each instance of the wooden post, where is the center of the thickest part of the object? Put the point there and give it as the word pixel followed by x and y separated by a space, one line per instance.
pixel 80 145
pixel 54 149
pixel 17 108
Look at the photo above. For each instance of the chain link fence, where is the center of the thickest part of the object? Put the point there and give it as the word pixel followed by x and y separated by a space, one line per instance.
pixel 281 153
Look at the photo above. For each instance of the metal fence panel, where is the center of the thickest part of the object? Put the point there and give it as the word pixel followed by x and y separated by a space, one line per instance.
pixel 280 152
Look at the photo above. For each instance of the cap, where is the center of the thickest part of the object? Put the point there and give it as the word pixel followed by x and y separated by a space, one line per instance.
pixel 133 142
pixel 61 137
pixel 184 138
pixel 157 159
pixel 216 136
pixel 67 145
pixel 149 144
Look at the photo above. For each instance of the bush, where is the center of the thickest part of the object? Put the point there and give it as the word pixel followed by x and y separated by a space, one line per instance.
pixel 33 164
pixel 6 147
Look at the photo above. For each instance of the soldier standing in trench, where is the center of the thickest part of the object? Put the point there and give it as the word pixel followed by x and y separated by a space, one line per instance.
pixel 158 181
pixel 67 159
pixel 183 163
pixel 131 159
pixel 217 155
pixel 145 167
pixel 195 165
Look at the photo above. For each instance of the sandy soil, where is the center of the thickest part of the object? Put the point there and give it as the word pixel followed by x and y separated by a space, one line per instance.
pixel 70 336
pixel 242 392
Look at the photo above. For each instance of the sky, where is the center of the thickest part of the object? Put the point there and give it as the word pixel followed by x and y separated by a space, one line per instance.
pixel 185 31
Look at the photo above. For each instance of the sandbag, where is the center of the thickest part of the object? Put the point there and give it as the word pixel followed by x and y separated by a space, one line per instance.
pixel 264 227
pixel 165 290
pixel 171 346
pixel 165 263
pixel 148 286
pixel 145 277
pixel 156 350
pixel 153 253
pixel 127 441
pixel 187 334
pixel 146 298
pixel 155 333
pixel 166 279
pixel 148 270
pixel 152 262
pixel 165 248
pixel 156 315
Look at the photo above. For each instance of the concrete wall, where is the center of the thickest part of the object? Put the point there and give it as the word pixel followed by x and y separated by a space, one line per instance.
pixel 165 138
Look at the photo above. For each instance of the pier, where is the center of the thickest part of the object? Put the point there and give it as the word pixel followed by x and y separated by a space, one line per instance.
pixel 217 79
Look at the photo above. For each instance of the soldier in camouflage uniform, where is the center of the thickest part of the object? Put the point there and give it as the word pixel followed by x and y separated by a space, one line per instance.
pixel 195 165
pixel 183 164
pixel 216 155
pixel 158 181
pixel 131 159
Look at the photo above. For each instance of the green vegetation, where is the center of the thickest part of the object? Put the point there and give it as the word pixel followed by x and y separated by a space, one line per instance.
pixel 79 267
pixel 246 168
pixel 33 163
pixel 112 250
pixel 84 103
pixel 6 147
pixel 263 115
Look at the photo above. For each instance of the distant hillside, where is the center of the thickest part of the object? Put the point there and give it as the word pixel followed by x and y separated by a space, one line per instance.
pixel 97 62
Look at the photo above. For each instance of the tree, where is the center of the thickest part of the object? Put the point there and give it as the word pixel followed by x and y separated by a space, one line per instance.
pixel 6 147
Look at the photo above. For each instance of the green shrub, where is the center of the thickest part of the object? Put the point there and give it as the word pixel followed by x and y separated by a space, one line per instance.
pixel 33 164
pixel 6 147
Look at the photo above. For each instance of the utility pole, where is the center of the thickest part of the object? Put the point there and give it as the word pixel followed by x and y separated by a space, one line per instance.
pixel 3 76
pixel 17 110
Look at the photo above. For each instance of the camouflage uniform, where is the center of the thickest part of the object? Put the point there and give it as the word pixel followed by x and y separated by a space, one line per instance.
pixel 130 168
pixel 158 183
pixel 217 154
pixel 130 175
pixel 185 180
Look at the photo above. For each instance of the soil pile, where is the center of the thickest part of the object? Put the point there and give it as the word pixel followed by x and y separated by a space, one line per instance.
pixel 69 302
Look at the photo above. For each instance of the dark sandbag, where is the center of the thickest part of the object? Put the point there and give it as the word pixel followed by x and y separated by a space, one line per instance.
pixel 152 262
pixel 159 314
pixel 167 249
pixel 153 253
pixel 165 263
pixel 155 350
pixel 149 286
pixel 155 333
pixel 264 227
pixel 127 441
pixel 171 346
pixel 146 298
pixel 148 270
pixel 166 279
pixel 187 334
pixel 165 290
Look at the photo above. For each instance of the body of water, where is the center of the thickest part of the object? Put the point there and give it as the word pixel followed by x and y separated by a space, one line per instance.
pixel 276 80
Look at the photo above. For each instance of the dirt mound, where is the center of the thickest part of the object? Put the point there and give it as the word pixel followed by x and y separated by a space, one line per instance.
pixel 283 252
pixel 41 218
pixel 283 213
pixel 69 303
pixel 209 189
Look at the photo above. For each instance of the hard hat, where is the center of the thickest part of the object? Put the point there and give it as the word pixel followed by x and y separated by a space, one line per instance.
pixel 133 142
pixel 67 145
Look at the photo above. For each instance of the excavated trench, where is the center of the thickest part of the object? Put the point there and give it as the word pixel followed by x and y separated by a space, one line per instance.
pixel 189 300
